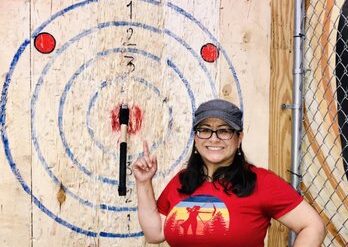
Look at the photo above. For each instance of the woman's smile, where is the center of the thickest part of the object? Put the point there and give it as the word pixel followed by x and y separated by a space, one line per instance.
pixel 214 148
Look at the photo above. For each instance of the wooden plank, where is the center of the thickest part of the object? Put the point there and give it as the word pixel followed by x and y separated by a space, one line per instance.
pixel 53 172
pixel 280 93
pixel 245 31
pixel 15 203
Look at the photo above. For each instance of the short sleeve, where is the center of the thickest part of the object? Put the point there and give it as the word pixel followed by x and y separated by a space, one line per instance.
pixel 164 201
pixel 278 197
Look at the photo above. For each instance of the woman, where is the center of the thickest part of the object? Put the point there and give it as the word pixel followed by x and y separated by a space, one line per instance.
pixel 220 199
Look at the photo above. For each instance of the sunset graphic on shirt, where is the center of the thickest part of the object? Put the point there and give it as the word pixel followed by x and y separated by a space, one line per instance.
pixel 201 215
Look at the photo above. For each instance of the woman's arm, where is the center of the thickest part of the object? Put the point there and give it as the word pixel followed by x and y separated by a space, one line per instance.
pixel 151 221
pixel 308 225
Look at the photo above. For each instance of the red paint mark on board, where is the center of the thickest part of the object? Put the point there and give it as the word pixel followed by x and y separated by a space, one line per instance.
pixel 135 119
pixel 209 53
pixel 45 43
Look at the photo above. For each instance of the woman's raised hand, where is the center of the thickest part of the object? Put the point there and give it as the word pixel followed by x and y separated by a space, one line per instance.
pixel 145 167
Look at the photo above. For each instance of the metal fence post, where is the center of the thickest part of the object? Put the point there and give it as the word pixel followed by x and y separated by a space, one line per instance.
pixel 297 100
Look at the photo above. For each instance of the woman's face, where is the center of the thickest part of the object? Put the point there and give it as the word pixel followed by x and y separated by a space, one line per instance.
pixel 214 151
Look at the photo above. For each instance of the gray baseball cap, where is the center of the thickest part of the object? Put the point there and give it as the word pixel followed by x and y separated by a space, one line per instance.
pixel 222 109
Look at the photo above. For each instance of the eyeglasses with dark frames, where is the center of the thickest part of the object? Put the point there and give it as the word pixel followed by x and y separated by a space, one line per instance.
pixel 222 134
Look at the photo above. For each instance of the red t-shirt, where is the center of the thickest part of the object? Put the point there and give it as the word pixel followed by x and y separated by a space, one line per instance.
pixel 209 217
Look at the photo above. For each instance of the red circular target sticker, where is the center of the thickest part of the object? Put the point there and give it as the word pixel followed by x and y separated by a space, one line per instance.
pixel 45 43
pixel 209 52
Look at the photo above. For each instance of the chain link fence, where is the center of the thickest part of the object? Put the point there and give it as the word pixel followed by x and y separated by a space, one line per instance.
pixel 324 157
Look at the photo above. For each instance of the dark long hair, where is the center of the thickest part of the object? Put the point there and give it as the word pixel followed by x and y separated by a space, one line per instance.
pixel 237 178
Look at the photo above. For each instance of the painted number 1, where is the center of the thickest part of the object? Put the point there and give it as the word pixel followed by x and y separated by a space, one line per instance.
pixel 130 5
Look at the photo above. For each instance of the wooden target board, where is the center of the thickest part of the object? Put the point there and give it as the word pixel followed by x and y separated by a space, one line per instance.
pixel 68 66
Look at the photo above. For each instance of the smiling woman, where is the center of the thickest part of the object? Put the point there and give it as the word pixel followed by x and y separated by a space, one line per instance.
pixel 216 150
pixel 220 199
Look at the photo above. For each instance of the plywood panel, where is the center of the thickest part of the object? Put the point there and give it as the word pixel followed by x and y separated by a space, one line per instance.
pixel 245 28
pixel 15 202
pixel 145 53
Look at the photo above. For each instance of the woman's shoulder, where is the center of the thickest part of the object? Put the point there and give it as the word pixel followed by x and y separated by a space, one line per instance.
pixel 263 173
pixel 260 170
pixel 269 180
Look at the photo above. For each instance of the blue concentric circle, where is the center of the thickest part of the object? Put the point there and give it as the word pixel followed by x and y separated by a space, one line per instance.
pixel 90 128
pixel 169 62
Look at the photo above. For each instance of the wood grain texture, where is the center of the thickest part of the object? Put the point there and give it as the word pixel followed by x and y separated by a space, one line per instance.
pixel 246 32
pixel 280 93
pixel 15 205
pixel 51 94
